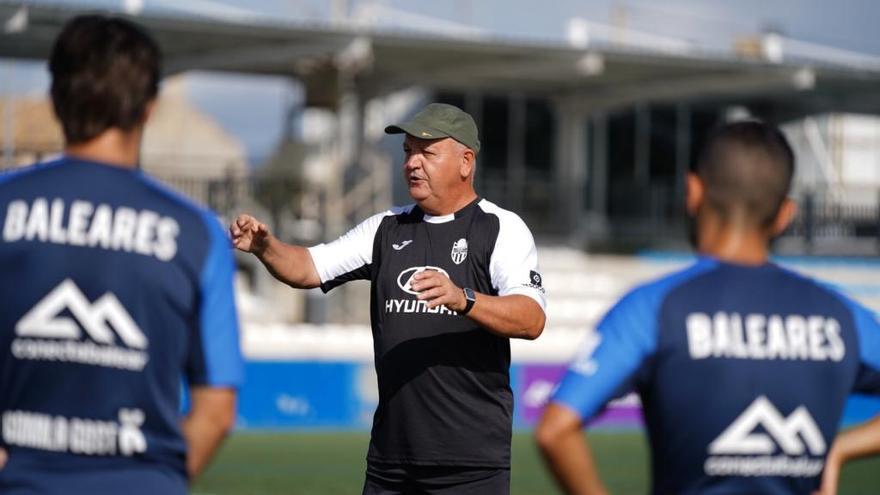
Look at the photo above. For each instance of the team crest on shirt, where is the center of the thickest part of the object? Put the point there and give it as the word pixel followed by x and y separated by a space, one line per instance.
pixel 459 251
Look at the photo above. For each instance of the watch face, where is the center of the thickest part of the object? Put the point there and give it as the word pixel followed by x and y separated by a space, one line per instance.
pixel 469 294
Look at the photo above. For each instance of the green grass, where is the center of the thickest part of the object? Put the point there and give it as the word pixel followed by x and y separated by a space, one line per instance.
pixel 258 463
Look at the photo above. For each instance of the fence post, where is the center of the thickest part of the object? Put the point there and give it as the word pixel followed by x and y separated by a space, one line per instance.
pixel 877 217
pixel 809 220
pixel 229 193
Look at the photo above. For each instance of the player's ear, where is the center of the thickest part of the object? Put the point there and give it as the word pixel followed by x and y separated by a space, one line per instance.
pixel 467 163
pixel 695 192
pixel 784 216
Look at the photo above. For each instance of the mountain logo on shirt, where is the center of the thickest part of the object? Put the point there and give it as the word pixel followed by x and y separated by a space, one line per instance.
pixel 45 333
pixel 459 251
pixel 748 445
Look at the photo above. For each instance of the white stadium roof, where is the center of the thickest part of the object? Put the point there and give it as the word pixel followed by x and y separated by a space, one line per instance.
pixel 791 78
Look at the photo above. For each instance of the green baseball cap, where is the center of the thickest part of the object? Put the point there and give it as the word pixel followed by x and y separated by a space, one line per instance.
pixel 439 120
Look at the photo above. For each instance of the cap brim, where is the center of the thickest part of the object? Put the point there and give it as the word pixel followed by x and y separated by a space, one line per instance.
pixel 416 130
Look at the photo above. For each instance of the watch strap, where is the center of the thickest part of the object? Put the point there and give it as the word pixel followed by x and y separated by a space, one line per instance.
pixel 471 298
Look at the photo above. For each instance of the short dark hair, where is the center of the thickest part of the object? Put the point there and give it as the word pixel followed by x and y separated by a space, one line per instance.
pixel 747 169
pixel 105 70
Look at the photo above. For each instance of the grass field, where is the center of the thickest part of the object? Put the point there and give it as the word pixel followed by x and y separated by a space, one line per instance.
pixel 256 463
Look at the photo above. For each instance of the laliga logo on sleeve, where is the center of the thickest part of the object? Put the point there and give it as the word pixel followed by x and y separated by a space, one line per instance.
pixel 535 281
pixel 404 280
pixel 459 251
pixel 535 277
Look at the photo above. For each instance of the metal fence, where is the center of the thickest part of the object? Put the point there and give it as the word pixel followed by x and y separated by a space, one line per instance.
pixel 652 216
pixel 636 218
pixel 820 217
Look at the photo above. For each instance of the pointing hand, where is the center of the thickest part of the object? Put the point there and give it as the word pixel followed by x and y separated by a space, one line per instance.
pixel 249 234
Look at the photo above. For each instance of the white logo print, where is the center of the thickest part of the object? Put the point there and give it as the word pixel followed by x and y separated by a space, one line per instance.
pixel 403 244
pixel 740 437
pixel 413 305
pixel 459 251
pixel 794 435
pixel 103 320
pixel 43 319
pixel 131 438
pixel 583 362
pixel 404 280
pixel 85 436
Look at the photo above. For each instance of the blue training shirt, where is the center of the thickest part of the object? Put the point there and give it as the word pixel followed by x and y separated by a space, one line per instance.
pixel 743 373
pixel 113 289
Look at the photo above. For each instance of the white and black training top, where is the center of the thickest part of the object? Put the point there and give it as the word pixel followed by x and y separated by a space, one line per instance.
pixel 444 385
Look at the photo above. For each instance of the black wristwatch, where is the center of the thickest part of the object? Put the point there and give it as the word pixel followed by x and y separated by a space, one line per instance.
pixel 471 298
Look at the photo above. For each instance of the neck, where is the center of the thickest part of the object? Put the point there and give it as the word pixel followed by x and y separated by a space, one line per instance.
pixel 439 209
pixel 732 242
pixel 112 147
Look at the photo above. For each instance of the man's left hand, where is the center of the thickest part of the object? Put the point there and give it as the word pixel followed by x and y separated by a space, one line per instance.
pixel 438 290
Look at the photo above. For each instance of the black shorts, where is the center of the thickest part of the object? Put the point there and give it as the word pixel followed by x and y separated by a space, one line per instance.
pixel 388 479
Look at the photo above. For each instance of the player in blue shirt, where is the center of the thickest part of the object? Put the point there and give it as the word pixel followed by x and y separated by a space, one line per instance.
pixel 114 290
pixel 743 367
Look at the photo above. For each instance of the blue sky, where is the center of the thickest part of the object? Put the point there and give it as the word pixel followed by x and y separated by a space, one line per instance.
pixel 254 108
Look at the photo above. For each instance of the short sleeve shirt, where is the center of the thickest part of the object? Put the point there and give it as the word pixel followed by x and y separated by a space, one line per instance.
pixel 444 386
pixel 114 290
pixel 743 372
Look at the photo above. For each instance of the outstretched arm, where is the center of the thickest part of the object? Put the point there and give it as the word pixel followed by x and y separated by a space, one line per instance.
pixel 861 441
pixel 290 264
pixel 567 452
pixel 511 316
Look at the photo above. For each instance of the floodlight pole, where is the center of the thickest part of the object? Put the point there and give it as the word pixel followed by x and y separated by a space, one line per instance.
pixel 8 116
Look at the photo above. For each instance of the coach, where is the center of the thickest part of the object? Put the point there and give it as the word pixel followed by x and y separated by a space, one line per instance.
pixel 453 278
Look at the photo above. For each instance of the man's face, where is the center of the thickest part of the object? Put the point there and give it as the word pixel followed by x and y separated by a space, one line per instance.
pixel 432 167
